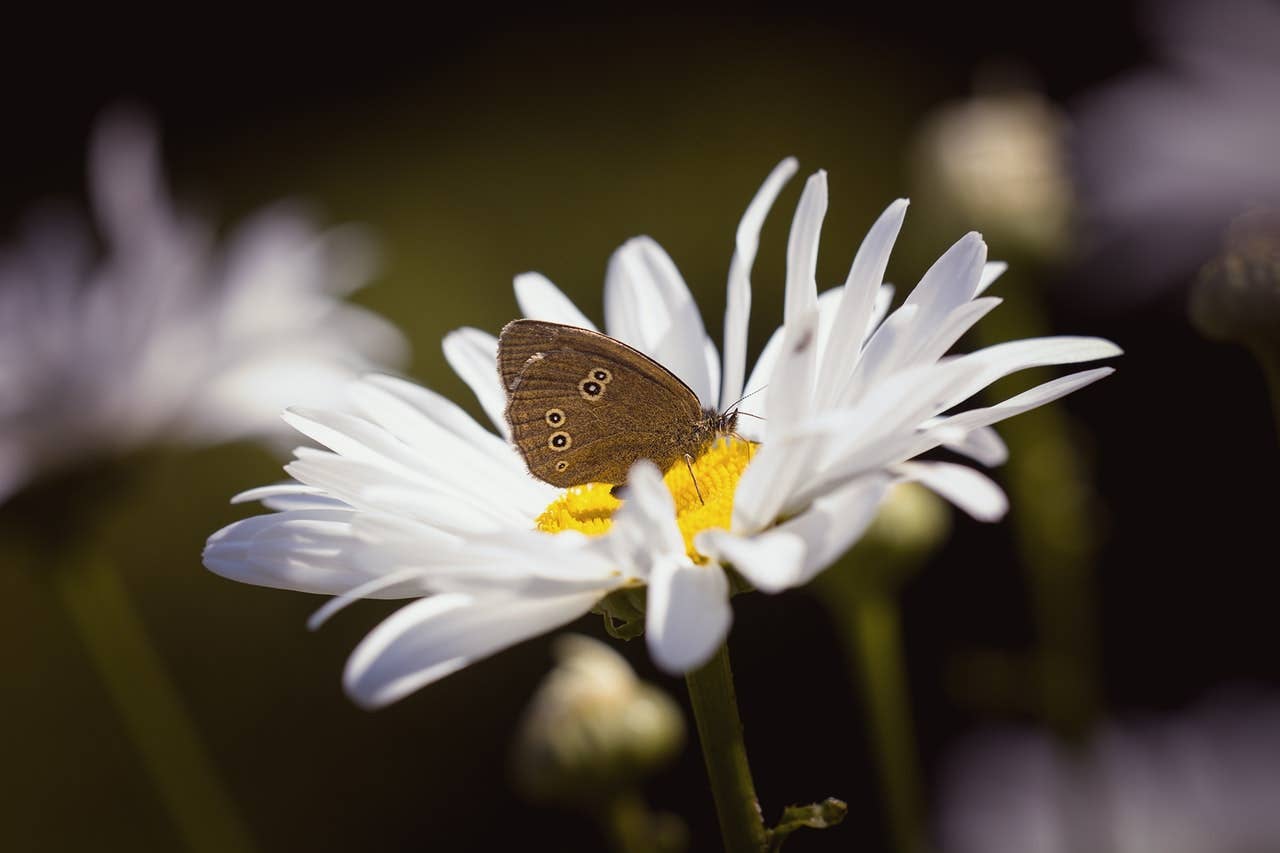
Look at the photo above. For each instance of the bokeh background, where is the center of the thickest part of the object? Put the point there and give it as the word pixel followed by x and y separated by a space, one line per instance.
pixel 483 144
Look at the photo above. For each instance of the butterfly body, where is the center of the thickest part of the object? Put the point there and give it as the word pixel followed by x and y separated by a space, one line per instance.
pixel 583 407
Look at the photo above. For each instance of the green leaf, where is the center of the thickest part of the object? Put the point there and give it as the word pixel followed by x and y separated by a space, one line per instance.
pixel 821 815
pixel 623 612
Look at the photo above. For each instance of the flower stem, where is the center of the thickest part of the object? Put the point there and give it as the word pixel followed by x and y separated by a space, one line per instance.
pixel 715 709
pixel 170 749
pixel 1050 489
pixel 875 635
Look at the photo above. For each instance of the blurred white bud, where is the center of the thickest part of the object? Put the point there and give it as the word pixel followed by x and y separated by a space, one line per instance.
pixel 593 729
pixel 912 520
pixel 997 163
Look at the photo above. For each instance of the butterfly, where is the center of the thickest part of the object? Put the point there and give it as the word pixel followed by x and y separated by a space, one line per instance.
pixel 584 407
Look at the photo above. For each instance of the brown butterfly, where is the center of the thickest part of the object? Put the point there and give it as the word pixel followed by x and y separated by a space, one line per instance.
pixel 583 407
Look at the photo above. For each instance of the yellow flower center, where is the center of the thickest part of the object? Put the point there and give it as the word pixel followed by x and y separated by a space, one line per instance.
pixel 589 508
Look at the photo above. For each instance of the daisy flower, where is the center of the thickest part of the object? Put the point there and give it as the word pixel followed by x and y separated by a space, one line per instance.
pixel 166 333
pixel 1205 780
pixel 413 498
pixel 1167 155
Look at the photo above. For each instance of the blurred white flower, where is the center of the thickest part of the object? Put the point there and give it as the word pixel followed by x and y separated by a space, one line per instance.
pixel 1167 156
pixel 1204 782
pixel 998 161
pixel 167 334
pixel 594 728
pixel 417 499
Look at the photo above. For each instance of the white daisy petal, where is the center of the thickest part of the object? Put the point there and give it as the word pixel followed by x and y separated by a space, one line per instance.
pixel 688 615
pixel 440 411
pixel 828 307
pixel 990 272
pixel 649 306
pixel 861 289
pixel 1027 400
pixel 649 508
pixel 951 281
pixel 789 397
pixel 278 491
pixel 982 445
pixel 357 439
pixel 757 502
pixel 473 355
pixel 299 550
pixel 791 383
pixel 793 552
pixel 971 490
pixel 944 336
pixel 770 561
pixel 449 437
pixel 834 522
pixel 712 357
pixel 884 299
pixel 802 249
pixel 539 299
pixel 429 639
pixel 1000 360
pixel 884 351
pixel 856 457
pixel 449 511
pixel 407 581
pixel 737 310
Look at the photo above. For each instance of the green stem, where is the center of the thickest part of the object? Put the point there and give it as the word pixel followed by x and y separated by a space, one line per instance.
pixel 1050 494
pixel 715 709
pixel 875 635
pixel 148 702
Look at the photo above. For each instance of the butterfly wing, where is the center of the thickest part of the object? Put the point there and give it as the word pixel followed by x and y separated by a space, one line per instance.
pixel 584 407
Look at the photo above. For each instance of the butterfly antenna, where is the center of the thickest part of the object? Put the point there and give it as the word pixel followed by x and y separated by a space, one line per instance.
pixel 748 414
pixel 745 396
pixel 688 462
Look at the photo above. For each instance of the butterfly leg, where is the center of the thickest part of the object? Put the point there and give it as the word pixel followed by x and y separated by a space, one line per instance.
pixel 688 462
pixel 740 437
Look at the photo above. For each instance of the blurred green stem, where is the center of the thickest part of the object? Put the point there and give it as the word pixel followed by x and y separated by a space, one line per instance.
pixel 715 709
pixel 1049 490
pixel 875 635
pixel 166 740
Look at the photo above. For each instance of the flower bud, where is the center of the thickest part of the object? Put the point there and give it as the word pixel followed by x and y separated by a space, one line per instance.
pixel 997 162
pixel 912 521
pixel 593 729
pixel 1237 295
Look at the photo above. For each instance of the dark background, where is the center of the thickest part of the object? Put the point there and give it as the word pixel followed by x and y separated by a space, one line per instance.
pixel 482 144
